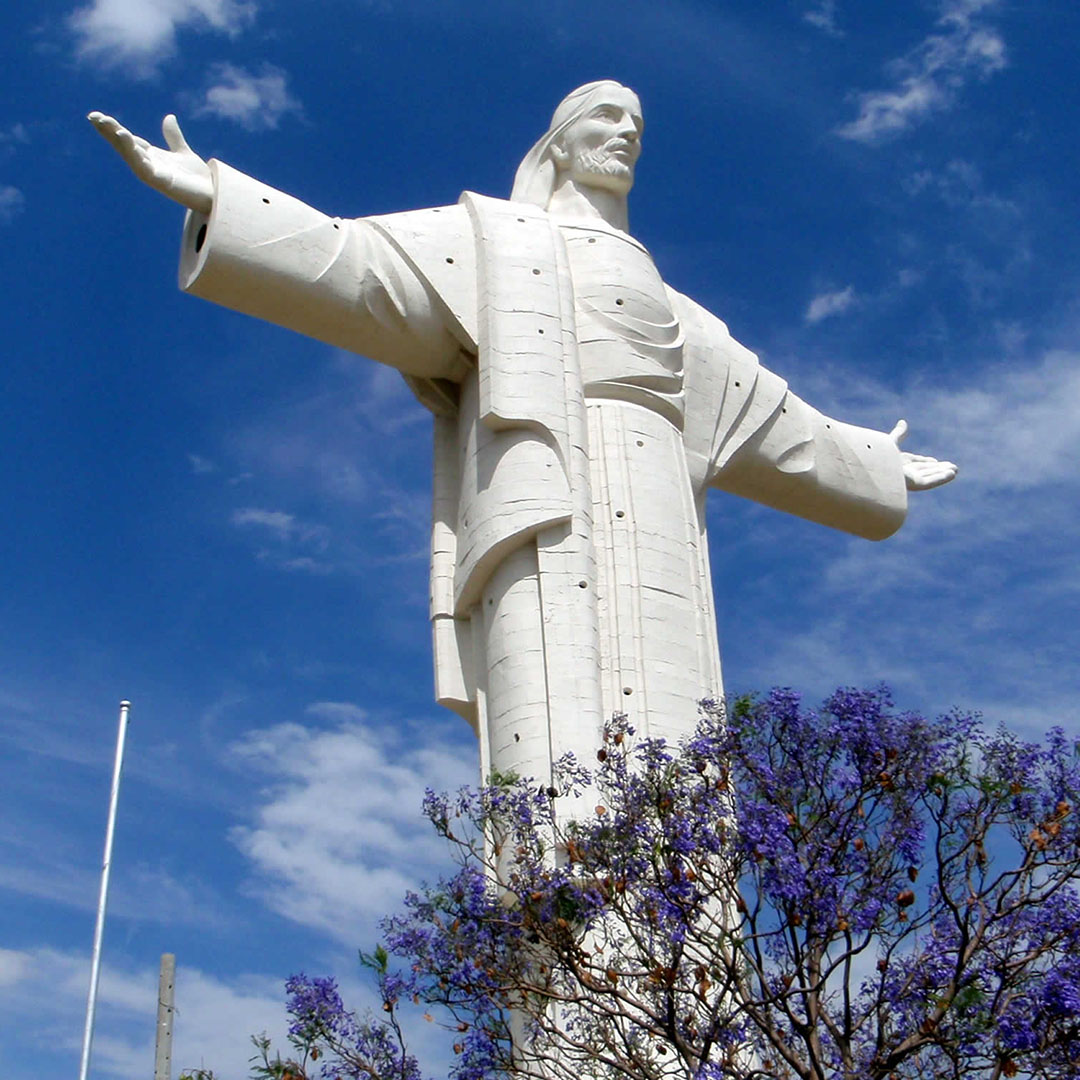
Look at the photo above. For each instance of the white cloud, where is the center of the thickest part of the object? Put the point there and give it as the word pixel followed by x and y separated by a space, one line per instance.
pixel 12 202
pixel 13 967
pixel 256 102
pixel 960 185
pixel 1019 429
pixel 45 995
pixel 340 836
pixel 357 448
pixel 141 892
pixel 1013 425
pixel 140 34
pixel 338 712
pixel 295 545
pixel 339 439
pixel 929 77
pixel 973 602
pixel 17 133
pixel 200 465
pixel 823 16
pixel 831 303
pixel 283 525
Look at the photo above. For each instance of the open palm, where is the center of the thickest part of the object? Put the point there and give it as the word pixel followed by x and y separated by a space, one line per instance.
pixel 177 172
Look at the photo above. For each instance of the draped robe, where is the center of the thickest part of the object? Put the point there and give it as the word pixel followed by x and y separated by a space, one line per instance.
pixel 574 445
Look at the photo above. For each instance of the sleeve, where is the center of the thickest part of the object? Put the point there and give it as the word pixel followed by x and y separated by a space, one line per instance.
pixel 263 253
pixel 808 464
pixel 748 434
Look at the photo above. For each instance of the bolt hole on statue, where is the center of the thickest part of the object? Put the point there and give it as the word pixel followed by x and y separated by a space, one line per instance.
pixel 583 409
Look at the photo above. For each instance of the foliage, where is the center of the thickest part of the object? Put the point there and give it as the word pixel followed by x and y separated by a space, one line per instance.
pixel 845 892
pixel 262 1067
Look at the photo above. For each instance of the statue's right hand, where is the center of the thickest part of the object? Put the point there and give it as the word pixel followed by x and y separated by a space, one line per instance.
pixel 177 172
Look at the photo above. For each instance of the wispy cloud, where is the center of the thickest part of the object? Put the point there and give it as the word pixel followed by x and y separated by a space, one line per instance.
pixel 201 465
pixel 339 835
pixel 13 966
pixel 142 893
pixel 283 526
pixel 1014 425
pixel 137 35
pixel 993 235
pixel 823 16
pixel 960 185
pixel 972 602
pixel 12 203
pixel 1020 427
pixel 341 439
pixel 16 134
pixel 44 991
pixel 831 303
pixel 358 450
pixel 255 101
pixel 296 545
pixel 928 78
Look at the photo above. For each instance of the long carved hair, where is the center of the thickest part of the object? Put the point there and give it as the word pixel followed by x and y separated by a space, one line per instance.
pixel 536 175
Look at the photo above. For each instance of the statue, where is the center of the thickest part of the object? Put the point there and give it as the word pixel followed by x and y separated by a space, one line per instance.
pixel 582 411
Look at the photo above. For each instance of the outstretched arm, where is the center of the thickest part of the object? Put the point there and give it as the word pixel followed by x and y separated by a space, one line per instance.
pixel 259 251
pixel 921 473
pixel 177 172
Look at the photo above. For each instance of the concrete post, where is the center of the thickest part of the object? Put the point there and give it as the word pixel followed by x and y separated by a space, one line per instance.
pixel 163 1043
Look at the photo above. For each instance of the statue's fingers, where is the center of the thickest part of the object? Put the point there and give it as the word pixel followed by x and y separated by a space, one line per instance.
pixel 174 137
pixel 106 126
pixel 131 139
pixel 899 432
pixel 934 476
pixel 938 468
pixel 128 143
pixel 102 121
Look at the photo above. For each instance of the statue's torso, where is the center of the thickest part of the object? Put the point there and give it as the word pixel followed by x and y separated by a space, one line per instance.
pixel 658 645
pixel 629 339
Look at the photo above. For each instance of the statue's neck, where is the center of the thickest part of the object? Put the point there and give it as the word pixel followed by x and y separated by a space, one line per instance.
pixel 574 202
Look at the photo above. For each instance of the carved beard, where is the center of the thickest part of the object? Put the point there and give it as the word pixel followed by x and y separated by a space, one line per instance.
pixel 601 162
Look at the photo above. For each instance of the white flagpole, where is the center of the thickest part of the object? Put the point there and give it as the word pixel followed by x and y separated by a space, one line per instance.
pixel 99 929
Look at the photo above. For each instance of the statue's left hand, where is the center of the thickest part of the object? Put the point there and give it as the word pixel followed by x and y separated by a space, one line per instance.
pixel 177 172
pixel 921 472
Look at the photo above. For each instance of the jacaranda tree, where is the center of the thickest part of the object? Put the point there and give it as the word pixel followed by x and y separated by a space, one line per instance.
pixel 846 892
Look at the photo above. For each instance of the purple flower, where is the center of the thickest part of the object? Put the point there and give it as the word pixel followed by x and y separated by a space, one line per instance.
pixel 848 890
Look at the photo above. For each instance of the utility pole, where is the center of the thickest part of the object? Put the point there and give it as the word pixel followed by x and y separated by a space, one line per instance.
pixel 103 896
pixel 163 1042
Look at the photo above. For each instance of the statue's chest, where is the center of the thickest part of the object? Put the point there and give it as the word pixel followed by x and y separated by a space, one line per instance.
pixel 614 277
pixel 629 340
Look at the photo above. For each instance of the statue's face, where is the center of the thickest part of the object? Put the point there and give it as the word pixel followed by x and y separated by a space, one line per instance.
pixel 601 148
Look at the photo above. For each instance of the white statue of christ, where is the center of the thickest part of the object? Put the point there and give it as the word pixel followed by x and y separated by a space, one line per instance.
pixel 582 409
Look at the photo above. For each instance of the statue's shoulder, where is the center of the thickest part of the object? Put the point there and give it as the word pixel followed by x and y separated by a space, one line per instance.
pixel 432 225
pixel 691 314
pixel 439 222
pixel 438 243
pixel 719 368
pixel 702 327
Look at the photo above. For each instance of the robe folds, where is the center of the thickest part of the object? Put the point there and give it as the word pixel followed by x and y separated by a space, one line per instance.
pixel 569 560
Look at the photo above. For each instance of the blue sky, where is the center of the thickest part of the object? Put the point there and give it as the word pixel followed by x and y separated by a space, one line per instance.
pixel 228 524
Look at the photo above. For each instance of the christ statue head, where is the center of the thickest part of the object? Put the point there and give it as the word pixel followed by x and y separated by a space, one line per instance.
pixel 594 140
pixel 601 147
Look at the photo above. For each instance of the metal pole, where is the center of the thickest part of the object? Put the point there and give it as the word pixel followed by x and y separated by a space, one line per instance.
pixel 163 1043
pixel 99 929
